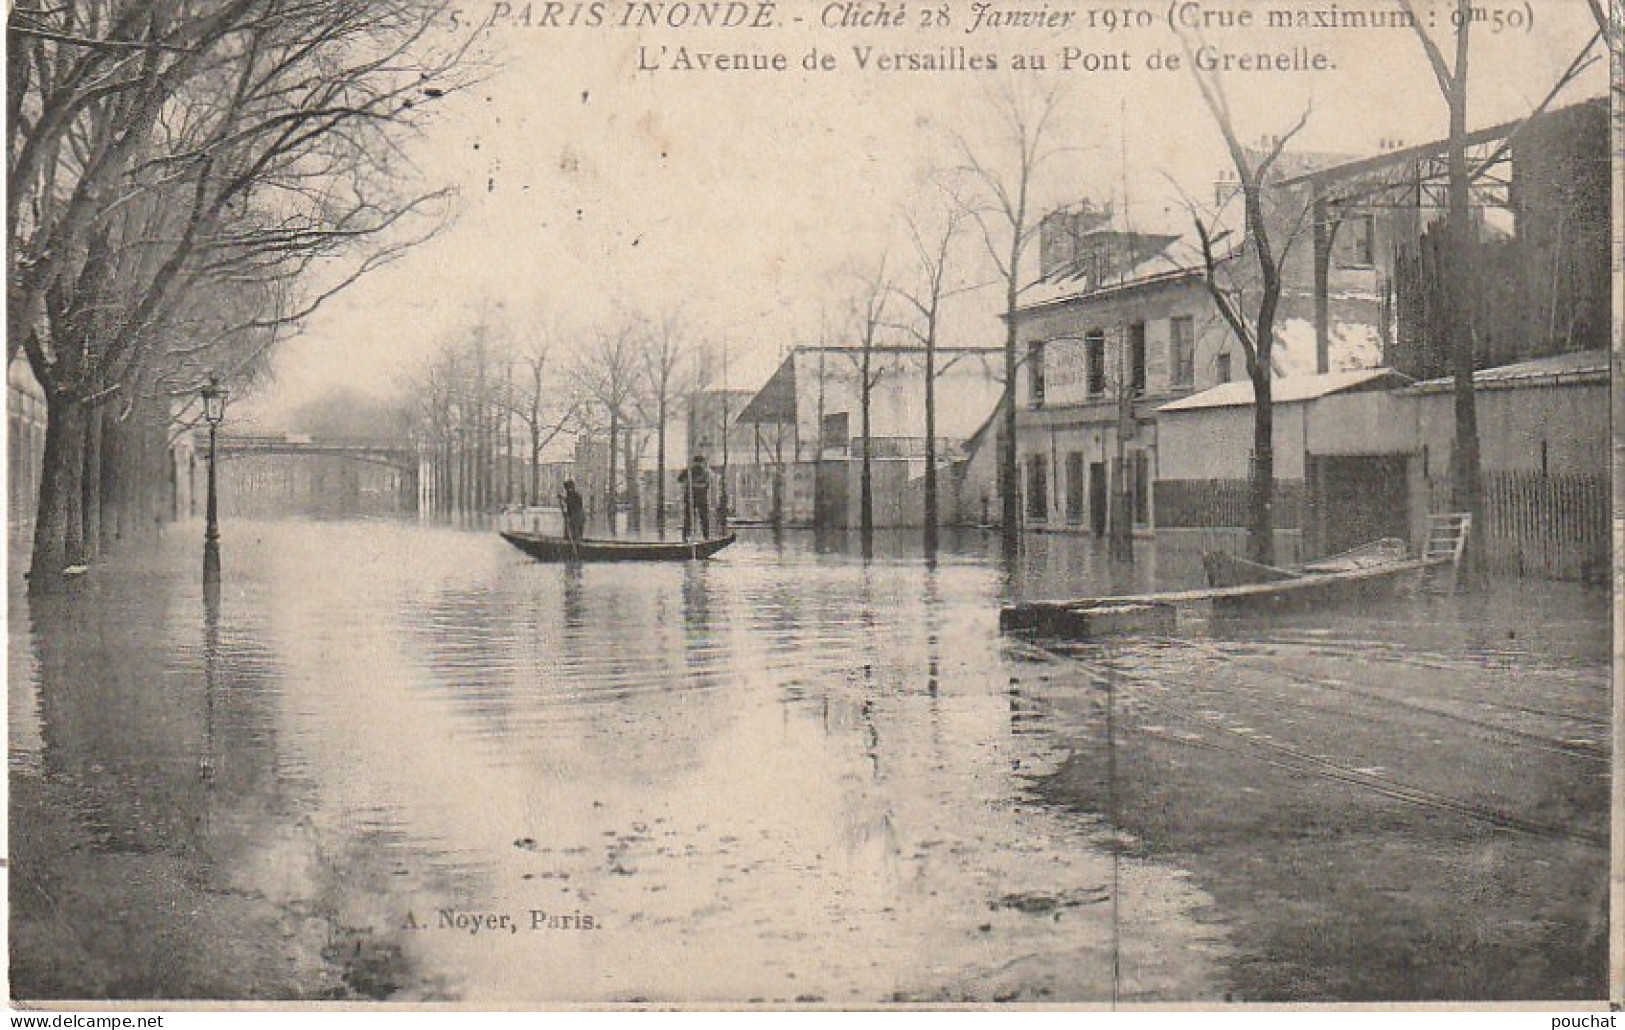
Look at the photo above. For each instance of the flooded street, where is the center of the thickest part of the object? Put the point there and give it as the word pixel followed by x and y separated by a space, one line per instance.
pixel 402 761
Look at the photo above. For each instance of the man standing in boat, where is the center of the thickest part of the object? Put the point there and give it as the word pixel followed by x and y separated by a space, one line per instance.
pixel 575 511
pixel 696 484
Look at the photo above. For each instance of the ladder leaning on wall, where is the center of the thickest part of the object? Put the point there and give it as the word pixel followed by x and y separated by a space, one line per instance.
pixel 1446 544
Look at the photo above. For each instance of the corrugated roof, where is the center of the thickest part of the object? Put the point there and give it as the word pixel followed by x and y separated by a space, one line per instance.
pixel 1583 364
pixel 1286 390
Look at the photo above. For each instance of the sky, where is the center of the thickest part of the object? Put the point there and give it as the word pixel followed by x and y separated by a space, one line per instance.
pixel 589 192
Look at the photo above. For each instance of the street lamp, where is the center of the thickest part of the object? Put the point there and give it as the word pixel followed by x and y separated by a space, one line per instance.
pixel 214 412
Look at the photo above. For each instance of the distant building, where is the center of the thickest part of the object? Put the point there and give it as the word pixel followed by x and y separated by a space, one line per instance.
pixel 805 426
pixel 1119 328
pixel 1366 454
pixel 1117 323
pixel 1353 463
pixel 25 421
pixel 1203 483
pixel 1541 220
pixel 148 468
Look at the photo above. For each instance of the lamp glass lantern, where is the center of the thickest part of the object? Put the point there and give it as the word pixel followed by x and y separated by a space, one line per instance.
pixel 214 402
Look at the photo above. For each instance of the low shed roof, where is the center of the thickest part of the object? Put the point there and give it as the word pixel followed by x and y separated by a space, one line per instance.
pixel 1579 366
pixel 1289 389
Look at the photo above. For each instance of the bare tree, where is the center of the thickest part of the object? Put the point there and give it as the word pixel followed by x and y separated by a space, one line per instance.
pixel 608 372
pixel 868 318
pixel 665 348
pixel 1254 326
pixel 165 150
pixel 931 251
pixel 1004 213
pixel 541 404
pixel 1458 314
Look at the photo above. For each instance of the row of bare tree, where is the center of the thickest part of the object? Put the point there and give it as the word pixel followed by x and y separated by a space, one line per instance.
pixel 490 404
pixel 187 180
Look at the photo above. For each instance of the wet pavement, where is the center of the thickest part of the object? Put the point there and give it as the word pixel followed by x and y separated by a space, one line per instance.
pixel 402 761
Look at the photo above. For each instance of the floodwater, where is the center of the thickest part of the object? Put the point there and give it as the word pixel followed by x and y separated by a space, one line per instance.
pixel 401 761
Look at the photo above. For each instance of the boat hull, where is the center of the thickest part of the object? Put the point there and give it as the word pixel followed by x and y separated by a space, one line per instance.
pixel 1319 589
pixel 561 549
pixel 1227 570
pixel 1062 618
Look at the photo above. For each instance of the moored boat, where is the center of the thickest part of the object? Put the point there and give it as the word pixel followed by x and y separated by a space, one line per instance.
pixel 1228 570
pixel 1224 569
pixel 1239 585
pixel 562 549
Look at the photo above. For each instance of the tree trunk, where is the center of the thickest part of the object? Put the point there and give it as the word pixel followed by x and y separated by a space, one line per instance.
pixel 1466 478
pixel 469 472
pixel 1122 506
pixel 1120 538
pixel 442 475
pixel 507 452
pixel 57 528
pixel 485 467
pixel 117 478
pixel 660 468
pixel 1261 498
pixel 155 448
pixel 609 500
pixel 634 499
pixel 1009 500
pixel 776 512
pixel 535 464
pixel 930 511
pixel 866 488
pixel 90 483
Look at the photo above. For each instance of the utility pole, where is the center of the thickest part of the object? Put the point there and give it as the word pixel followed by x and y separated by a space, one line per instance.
pixel 722 489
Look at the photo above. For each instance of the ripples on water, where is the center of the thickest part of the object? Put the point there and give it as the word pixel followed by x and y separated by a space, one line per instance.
pixel 786 774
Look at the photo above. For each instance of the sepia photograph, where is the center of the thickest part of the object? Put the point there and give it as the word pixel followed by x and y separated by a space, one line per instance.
pixel 811 504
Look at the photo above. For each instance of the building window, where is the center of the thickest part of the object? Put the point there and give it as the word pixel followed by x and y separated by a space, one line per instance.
pixel 1035 371
pixel 1182 350
pixel 1094 352
pixel 835 432
pixel 1037 487
pixel 1136 358
pixel 1224 368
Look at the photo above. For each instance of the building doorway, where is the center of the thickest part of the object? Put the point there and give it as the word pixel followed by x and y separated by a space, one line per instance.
pixel 1037 488
pixel 830 505
pixel 1362 498
pixel 1097 497
pixel 1074 488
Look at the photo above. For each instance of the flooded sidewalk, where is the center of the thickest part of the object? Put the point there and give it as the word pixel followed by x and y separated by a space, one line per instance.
pixel 400 761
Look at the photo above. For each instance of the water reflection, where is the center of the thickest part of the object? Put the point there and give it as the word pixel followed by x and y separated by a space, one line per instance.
pixel 574 608
pixel 791 773
pixel 156 795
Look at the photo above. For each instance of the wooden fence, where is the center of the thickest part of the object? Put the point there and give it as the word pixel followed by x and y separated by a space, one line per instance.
pixel 1222 503
pixel 1551 526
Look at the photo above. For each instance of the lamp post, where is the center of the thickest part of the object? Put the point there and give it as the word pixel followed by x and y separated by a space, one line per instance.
pixel 214 412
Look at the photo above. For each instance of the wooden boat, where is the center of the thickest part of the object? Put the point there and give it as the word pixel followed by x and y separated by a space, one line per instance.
pixel 562 549
pixel 1228 570
pixel 1239 585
